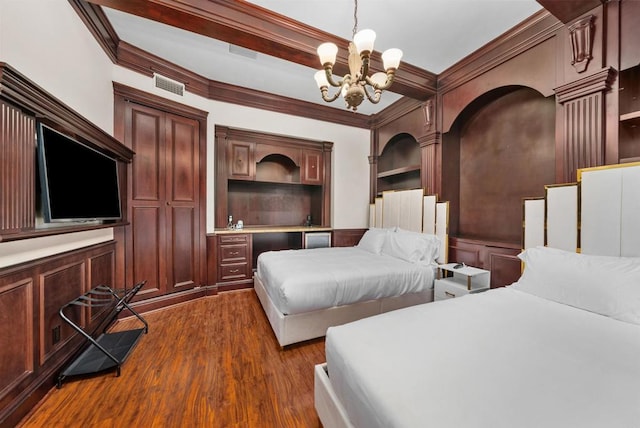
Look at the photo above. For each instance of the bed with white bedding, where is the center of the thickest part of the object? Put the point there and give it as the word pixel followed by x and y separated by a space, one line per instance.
pixel 305 291
pixel 559 348
pixel 303 281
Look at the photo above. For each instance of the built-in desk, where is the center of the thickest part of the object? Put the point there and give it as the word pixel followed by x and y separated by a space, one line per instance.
pixel 237 250
pixel 274 229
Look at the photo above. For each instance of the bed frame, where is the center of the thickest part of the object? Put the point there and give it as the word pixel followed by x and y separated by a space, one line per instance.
pixel 598 215
pixel 408 209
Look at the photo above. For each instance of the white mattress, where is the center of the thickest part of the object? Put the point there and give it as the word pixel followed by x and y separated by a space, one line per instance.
pixel 306 280
pixel 502 358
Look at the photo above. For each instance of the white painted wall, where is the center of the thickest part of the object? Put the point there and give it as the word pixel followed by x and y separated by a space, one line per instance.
pixel 46 41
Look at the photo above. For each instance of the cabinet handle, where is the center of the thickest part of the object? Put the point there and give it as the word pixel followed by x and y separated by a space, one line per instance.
pixel 233 253
pixel 449 294
pixel 234 270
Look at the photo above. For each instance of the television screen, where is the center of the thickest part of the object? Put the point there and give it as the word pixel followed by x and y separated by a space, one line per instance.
pixel 78 183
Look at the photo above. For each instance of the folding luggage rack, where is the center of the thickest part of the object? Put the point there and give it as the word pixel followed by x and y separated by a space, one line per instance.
pixel 107 350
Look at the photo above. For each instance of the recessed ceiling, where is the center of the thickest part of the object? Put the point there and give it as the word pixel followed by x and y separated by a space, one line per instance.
pixel 433 34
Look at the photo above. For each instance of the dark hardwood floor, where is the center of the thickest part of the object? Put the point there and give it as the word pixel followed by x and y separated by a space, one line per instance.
pixel 213 362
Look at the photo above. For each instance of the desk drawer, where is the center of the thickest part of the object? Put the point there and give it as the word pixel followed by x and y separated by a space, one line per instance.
pixel 235 271
pixel 241 238
pixel 233 253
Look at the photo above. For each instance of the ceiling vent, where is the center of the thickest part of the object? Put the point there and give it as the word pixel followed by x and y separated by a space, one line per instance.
pixel 167 84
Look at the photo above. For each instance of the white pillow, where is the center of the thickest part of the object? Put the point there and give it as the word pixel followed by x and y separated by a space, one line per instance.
pixel 412 247
pixel 606 285
pixel 373 239
pixel 430 244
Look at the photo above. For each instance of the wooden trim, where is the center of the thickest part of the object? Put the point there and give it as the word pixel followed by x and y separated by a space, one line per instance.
pixel 24 93
pixel 141 97
pixel 143 62
pixel 98 24
pixel 395 111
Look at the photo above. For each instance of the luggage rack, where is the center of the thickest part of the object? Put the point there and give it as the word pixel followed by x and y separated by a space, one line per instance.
pixel 108 350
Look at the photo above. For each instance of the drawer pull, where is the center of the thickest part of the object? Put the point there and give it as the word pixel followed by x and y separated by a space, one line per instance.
pixel 449 294
pixel 234 270
pixel 234 253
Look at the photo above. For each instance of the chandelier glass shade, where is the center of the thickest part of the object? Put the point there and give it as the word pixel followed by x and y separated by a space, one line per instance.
pixel 353 86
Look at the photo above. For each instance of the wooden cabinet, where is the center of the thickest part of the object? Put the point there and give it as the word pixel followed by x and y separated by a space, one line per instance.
pixel 165 241
pixel 271 180
pixel 234 260
pixel 312 167
pixel 241 160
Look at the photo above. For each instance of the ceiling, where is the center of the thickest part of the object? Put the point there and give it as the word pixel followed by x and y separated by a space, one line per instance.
pixel 433 34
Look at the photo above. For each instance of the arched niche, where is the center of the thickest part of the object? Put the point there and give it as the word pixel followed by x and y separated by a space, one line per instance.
pixel 500 149
pixel 399 164
pixel 277 168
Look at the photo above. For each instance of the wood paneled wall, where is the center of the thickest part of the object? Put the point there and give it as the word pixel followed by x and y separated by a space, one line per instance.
pixel 35 343
pixel 17 169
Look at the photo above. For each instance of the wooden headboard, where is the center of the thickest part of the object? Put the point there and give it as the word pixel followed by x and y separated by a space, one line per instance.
pixel 597 215
pixel 412 210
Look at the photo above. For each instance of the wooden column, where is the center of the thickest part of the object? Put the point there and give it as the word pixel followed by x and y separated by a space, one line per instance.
pixel 582 106
pixel 17 169
pixel 429 146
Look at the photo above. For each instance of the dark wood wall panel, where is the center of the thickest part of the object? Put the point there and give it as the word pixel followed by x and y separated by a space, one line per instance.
pixel 16 333
pixel 58 286
pixel 499 258
pixel 184 167
pixel 505 268
pixel 147 143
pixel 182 249
pixel 17 169
pixel 507 152
pixel 31 295
pixel 346 237
pixel 145 262
pixel 101 271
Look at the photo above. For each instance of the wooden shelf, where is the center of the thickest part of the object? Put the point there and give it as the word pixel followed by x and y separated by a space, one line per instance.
pixel 398 171
pixel 632 117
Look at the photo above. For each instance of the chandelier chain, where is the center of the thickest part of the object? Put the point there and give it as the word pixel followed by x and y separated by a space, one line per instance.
pixel 355 18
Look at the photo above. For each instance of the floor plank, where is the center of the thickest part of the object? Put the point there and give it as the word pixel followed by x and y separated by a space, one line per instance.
pixel 212 362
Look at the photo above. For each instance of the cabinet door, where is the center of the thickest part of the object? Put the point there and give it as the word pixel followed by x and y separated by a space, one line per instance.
pixel 241 158
pixel 163 240
pixel 312 171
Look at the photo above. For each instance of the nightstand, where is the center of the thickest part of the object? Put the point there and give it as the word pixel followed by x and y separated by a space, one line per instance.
pixel 459 282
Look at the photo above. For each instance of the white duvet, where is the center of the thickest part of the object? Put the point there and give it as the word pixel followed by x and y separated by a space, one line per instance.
pixel 502 358
pixel 306 280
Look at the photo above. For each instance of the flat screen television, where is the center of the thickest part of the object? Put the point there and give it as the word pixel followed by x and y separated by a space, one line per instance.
pixel 77 182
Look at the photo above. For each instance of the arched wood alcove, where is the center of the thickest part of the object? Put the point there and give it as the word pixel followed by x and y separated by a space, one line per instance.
pixel 399 164
pixel 500 149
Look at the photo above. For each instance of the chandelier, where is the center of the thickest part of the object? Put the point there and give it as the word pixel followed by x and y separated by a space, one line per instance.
pixel 353 86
